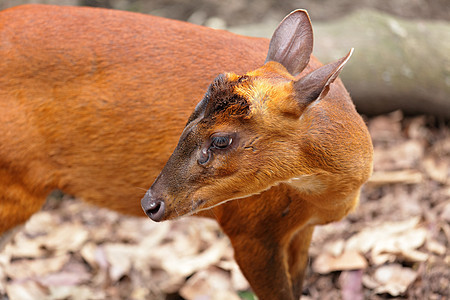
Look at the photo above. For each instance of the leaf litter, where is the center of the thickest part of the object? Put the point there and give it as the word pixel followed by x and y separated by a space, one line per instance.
pixel 395 244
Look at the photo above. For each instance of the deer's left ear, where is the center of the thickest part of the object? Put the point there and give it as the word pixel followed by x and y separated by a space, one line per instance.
pixel 316 84
pixel 292 42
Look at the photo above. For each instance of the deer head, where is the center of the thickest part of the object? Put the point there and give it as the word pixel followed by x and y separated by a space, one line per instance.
pixel 255 130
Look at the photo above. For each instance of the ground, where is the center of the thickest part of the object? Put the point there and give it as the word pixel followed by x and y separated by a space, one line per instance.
pixel 395 245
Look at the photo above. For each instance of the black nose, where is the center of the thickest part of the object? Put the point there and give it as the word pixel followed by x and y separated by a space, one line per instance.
pixel 154 208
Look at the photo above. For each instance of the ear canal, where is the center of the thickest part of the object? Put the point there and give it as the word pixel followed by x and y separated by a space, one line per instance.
pixel 316 84
pixel 292 42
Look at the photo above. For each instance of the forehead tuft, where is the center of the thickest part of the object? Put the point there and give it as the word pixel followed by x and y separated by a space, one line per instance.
pixel 222 98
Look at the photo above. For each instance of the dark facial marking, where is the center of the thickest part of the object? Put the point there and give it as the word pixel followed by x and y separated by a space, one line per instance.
pixel 222 99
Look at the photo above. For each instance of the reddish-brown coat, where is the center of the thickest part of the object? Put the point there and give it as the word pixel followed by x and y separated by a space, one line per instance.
pixel 93 101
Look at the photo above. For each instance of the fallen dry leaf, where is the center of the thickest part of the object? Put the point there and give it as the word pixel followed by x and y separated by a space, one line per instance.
pixel 75 293
pixel 403 243
pixel 436 247
pixel 445 215
pixel 64 279
pixel 88 252
pixel 40 223
pixel 405 155
pixel 26 290
pixel 437 169
pixel 187 265
pixel 158 234
pixel 335 248
pixel 2 280
pixel 348 260
pixel 386 241
pixel 25 247
pixel 140 294
pixel 392 177
pixel 120 258
pixel 35 268
pixel 210 284
pixel 65 238
pixel 393 279
pixel 238 280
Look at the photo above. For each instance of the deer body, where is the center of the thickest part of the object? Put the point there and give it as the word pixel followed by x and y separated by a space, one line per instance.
pixel 93 102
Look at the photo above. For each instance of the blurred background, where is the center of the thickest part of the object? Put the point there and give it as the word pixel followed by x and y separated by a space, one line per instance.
pixel 395 245
pixel 401 46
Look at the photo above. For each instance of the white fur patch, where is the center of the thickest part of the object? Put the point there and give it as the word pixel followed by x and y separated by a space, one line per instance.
pixel 308 184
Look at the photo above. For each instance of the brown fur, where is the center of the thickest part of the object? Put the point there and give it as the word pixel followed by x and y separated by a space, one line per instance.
pixel 93 101
pixel 223 102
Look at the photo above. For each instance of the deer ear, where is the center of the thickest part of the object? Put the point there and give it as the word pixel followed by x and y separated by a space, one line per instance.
pixel 316 84
pixel 292 42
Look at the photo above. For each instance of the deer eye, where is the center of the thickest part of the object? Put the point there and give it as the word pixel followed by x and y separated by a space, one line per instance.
pixel 221 141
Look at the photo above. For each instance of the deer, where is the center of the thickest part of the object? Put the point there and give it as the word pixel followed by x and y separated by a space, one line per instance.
pixel 100 104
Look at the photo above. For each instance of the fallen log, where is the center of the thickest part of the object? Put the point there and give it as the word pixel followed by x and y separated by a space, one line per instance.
pixel 397 63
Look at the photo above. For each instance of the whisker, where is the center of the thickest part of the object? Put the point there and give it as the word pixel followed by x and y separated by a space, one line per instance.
pixel 214 213
pixel 139 188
